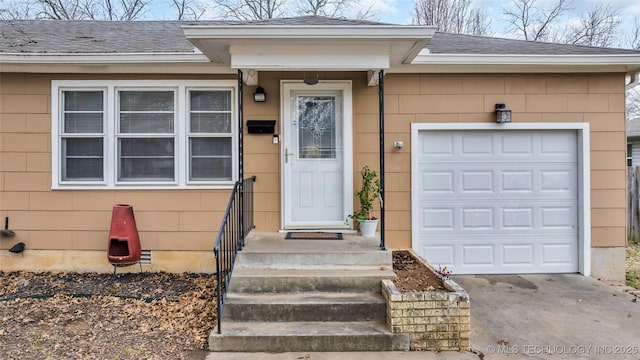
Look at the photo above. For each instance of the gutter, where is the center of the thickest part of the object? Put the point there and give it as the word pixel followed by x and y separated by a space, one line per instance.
pixel 634 80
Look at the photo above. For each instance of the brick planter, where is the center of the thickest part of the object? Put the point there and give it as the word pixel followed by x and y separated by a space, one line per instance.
pixel 434 320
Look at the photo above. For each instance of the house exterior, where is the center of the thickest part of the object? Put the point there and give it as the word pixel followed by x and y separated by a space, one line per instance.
pixel 94 114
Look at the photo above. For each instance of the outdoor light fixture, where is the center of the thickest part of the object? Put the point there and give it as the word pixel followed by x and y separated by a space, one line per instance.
pixel 311 79
pixel 503 115
pixel 259 95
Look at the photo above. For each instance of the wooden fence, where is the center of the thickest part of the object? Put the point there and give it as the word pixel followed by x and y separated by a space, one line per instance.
pixel 633 206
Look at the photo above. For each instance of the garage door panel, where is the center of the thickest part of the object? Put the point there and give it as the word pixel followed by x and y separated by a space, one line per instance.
pixel 501 217
pixel 518 255
pixel 443 255
pixel 478 255
pixel 498 201
pixel 509 180
pixel 515 145
pixel 558 254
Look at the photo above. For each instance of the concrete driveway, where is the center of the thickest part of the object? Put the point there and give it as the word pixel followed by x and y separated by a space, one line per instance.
pixel 564 316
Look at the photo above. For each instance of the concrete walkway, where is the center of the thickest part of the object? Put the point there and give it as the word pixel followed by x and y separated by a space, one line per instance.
pixel 395 355
pixel 563 316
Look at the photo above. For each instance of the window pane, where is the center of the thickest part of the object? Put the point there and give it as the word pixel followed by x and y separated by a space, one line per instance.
pixel 317 127
pixel 210 159
pixel 83 123
pixel 82 159
pixel 146 159
pixel 210 100
pixel 211 123
pixel 146 123
pixel 82 100
pixel 146 100
pixel 82 111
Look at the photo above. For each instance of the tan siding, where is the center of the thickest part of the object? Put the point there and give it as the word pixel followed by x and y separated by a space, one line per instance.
pixel 188 219
pixel 597 99
pixel 606 84
pixel 482 84
pixel 567 84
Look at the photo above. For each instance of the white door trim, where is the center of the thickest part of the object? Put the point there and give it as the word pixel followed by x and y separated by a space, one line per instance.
pixel 584 175
pixel 345 87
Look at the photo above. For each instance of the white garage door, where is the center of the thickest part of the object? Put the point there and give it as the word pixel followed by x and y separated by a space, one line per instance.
pixel 497 201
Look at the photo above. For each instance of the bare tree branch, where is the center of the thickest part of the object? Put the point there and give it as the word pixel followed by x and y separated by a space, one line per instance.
pixel 329 8
pixel 633 103
pixel 597 27
pixel 121 10
pixel 253 9
pixel 635 34
pixel 533 23
pixel 453 16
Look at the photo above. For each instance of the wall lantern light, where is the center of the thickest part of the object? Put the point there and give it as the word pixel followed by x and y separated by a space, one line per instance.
pixel 259 95
pixel 503 115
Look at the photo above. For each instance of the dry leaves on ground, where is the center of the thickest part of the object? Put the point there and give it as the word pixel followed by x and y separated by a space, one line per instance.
pixel 98 316
pixel 413 275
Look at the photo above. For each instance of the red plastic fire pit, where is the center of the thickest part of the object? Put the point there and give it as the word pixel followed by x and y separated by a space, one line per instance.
pixel 124 241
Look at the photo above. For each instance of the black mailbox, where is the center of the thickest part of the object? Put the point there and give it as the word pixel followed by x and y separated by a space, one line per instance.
pixel 261 126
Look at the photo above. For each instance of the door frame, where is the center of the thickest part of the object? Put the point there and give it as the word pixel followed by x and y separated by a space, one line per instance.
pixel 584 175
pixel 345 88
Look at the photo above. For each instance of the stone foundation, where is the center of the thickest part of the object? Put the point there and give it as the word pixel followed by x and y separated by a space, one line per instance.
pixel 434 320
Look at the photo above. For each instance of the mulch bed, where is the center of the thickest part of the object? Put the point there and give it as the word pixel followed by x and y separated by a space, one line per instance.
pixel 99 316
pixel 412 275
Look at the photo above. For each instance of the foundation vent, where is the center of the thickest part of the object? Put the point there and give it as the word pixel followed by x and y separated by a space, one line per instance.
pixel 145 257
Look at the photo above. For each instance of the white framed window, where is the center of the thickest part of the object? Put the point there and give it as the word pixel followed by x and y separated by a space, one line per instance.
pixel 143 134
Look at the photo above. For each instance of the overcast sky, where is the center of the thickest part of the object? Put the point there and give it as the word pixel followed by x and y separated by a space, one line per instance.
pixel 399 12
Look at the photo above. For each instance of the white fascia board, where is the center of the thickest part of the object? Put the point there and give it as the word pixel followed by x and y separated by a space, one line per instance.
pixel 101 58
pixel 630 63
pixel 257 32
pixel 319 62
pixel 320 57
pixel 182 63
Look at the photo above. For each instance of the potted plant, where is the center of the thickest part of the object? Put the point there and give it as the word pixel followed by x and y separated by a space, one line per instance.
pixel 369 192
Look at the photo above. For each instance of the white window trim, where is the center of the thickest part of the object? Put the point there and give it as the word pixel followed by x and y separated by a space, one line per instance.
pixel 584 175
pixel 110 87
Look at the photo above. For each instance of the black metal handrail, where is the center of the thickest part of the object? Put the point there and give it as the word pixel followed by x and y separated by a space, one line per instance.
pixel 237 222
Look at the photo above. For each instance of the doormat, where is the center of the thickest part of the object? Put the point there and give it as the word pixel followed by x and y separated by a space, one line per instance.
pixel 313 236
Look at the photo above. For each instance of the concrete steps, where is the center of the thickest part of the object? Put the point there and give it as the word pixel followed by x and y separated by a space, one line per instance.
pixel 296 280
pixel 307 336
pixel 285 307
pixel 312 295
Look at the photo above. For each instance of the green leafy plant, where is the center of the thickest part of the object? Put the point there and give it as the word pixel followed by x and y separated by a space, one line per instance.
pixel 369 192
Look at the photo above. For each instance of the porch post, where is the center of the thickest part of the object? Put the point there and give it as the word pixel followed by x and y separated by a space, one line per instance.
pixel 381 115
pixel 240 163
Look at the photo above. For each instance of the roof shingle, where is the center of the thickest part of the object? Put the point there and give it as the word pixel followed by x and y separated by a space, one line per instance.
pixel 77 37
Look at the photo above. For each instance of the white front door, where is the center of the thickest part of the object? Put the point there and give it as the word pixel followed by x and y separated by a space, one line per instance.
pixel 316 155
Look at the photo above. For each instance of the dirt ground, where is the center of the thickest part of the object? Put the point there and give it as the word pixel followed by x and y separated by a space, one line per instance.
pixel 412 275
pixel 127 316
pixel 633 264
pixel 99 316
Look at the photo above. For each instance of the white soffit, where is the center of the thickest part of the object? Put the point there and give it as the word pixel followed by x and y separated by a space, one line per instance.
pixel 296 47
pixel 522 63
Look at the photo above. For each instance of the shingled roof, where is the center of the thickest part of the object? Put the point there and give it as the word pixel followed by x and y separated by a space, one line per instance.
pixel 78 37
pixel 443 43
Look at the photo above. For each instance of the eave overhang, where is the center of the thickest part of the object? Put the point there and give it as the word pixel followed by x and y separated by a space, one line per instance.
pixel 510 63
pixel 146 63
pixel 295 47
